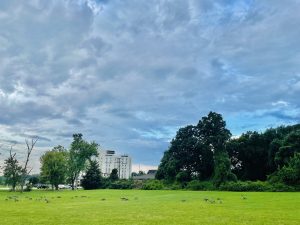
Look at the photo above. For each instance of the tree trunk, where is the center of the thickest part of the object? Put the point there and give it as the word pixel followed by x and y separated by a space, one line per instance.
pixel 72 184
pixel 30 147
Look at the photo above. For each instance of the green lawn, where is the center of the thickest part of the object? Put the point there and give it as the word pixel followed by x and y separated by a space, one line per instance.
pixel 148 207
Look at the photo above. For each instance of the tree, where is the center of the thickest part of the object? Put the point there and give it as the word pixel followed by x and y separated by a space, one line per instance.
pixel 80 152
pixel 92 179
pixel 2 180
pixel 215 135
pixel 25 172
pixel 141 172
pixel 249 156
pixel 222 170
pixel 179 156
pixel 283 155
pixel 192 150
pixel 134 174
pixel 290 146
pixel 114 175
pixel 274 147
pixel 213 131
pixel 12 171
pixel 290 173
pixel 54 166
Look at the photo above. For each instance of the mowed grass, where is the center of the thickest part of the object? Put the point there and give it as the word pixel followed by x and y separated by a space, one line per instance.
pixel 148 207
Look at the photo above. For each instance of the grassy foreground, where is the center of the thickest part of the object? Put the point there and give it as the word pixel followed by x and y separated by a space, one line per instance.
pixel 148 207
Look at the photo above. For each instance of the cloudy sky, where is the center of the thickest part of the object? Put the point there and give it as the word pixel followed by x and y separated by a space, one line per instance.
pixel 129 73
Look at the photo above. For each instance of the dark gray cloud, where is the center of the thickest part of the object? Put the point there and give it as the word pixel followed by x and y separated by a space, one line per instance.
pixel 128 74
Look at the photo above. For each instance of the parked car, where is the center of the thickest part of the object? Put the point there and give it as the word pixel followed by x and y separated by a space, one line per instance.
pixel 42 186
pixel 64 186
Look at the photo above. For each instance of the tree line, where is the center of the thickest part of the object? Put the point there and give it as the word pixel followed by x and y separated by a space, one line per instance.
pixel 58 166
pixel 208 152
pixel 205 152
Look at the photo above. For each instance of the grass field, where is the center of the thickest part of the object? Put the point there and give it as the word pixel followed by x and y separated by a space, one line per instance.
pixel 148 207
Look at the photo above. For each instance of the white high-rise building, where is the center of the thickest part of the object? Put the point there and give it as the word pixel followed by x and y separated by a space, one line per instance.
pixel 109 161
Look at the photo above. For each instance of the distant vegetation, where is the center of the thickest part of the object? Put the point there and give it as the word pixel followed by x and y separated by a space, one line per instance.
pixel 200 157
pixel 205 154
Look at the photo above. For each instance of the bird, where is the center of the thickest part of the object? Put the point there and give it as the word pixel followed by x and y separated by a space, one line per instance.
pixel 244 197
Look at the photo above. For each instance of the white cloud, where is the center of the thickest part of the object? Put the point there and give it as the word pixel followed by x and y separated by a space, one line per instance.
pixel 127 77
pixel 280 103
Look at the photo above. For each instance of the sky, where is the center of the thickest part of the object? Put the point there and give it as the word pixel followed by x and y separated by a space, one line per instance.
pixel 128 73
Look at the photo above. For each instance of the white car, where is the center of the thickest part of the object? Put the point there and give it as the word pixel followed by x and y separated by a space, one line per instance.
pixel 64 186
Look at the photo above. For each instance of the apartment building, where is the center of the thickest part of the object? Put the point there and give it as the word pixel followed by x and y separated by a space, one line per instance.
pixel 108 161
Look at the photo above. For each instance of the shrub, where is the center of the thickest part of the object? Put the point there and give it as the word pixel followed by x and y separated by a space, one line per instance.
pixel 183 177
pixel 197 185
pixel 280 187
pixel 153 185
pixel 246 186
pixel 175 186
pixel 121 184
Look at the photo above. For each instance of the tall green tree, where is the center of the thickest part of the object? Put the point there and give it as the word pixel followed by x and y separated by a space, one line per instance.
pixel 192 150
pixel 80 152
pixel 213 131
pixel 54 166
pixel 255 155
pixel 290 146
pixel 92 179
pixel 12 171
pixel 222 170
pixel 249 156
pixel 186 155
pixel 114 175
pixel 214 134
pixel 290 173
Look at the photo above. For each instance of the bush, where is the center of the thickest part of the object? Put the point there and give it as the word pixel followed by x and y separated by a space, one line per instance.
pixel 183 177
pixel 197 185
pixel 121 184
pixel 280 187
pixel 153 185
pixel 175 186
pixel 246 186
pixel 137 184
